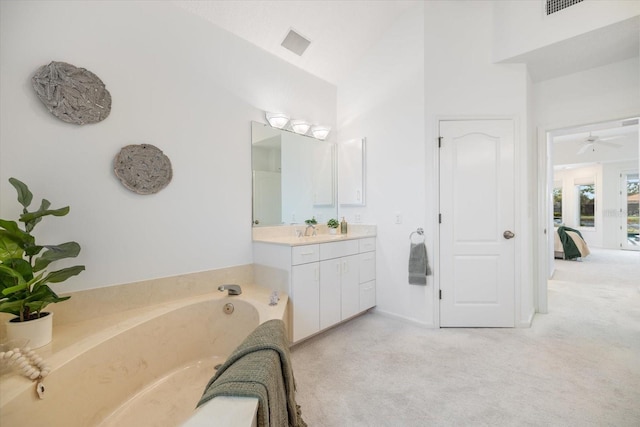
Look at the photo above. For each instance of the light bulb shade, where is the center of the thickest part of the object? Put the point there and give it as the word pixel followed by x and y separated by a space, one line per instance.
pixel 277 120
pixel 320 132
pixel 300 126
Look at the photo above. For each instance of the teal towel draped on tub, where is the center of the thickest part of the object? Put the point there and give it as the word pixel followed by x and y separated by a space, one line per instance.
pixel 261 367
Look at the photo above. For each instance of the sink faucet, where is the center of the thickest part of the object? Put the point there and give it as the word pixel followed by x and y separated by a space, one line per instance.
pixel 315 232
pixel 233 289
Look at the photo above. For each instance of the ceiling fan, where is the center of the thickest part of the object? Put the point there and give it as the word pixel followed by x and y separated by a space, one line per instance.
pixel 591 141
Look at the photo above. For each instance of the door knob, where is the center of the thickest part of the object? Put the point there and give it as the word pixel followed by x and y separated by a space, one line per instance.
pixel 508 235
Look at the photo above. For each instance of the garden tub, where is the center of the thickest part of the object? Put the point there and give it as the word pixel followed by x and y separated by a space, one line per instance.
pixel 141 367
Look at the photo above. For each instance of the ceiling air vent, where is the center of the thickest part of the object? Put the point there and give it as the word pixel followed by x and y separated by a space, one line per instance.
pixel 295 43
pixel 554 6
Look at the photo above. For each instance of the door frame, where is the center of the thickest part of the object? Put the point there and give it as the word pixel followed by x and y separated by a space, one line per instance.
pixel 623 208
pixel 522 268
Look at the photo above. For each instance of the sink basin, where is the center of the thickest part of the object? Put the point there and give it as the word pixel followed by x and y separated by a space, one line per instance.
pixel 306 240
pixel 321 238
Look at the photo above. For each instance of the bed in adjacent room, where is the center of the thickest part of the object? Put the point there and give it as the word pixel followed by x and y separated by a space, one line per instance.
pixel 569 244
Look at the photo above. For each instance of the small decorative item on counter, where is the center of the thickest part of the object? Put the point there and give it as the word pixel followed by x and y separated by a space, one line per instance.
pixel 27 362
pixel 274 298
pixel 311 221
pixel 343 226
pixel 333 225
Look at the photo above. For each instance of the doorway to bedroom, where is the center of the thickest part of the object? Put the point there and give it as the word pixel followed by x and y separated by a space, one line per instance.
pixel 594 187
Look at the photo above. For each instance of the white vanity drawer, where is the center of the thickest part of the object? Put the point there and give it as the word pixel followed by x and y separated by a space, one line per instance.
pixel 304 254
pixel 339 249
pixel 367 295
pixel 367 266
pixel 368 244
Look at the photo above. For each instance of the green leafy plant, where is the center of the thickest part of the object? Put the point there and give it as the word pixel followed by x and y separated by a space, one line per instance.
pixel 23 277
pixel 311 221
pixel 333 223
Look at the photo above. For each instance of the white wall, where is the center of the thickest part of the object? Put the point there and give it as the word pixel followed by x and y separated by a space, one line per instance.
pixel 177 82
pixel 590 96
pixel 523 26
pixel 383 101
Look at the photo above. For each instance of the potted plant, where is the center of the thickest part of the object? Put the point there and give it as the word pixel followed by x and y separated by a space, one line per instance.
pixel 333 225
pixel 23 271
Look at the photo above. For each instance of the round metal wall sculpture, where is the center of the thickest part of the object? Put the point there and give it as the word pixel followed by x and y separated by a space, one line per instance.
pixel 72 94
pixel 143 169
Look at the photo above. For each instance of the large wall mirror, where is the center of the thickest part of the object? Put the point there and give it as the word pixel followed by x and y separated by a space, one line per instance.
pixel 294 177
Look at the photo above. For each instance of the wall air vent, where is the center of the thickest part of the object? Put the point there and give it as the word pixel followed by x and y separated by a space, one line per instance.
pixel 554 6
pixel 295 43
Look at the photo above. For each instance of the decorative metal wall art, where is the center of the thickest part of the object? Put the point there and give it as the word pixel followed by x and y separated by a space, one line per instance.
pixel 143 169
pixel 72 94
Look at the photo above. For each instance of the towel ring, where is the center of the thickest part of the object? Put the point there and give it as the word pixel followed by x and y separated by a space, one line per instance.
pixel 419 232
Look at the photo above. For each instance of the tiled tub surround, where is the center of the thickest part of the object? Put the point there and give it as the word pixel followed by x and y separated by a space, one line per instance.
pixel 145 365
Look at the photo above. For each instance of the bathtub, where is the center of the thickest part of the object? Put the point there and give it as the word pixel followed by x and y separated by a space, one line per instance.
pixel 140 367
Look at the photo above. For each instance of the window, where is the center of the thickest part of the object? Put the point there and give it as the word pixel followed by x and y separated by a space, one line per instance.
pixel 557 205
pixel 633 209
pixel 587 205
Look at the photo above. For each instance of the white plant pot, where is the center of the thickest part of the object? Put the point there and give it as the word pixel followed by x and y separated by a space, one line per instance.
pixel 333 230
pixel 38 331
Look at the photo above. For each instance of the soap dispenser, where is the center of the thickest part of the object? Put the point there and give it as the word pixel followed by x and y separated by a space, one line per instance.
pixel 343 226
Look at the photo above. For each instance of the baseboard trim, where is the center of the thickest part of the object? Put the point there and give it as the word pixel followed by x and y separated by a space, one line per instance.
pixel 527 323
pixel 404 319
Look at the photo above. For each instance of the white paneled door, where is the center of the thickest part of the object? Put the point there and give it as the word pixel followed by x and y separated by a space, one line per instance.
pixel 477 235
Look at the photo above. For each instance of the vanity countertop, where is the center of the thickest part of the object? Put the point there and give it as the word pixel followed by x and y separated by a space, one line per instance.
pixel 286 235
pixel 310 240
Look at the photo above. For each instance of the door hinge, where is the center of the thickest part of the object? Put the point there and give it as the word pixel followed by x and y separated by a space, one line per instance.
pixel 440 293
pixel 439 218
pixel 439 142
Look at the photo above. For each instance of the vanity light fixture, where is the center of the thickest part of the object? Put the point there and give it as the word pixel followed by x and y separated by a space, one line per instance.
pixel 320 132
pixel 277 120
pixel 300 126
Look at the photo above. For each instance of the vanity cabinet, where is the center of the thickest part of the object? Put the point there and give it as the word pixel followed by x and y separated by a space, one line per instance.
pixel 367 269
pixel 327 283
pixel 306 285
pixel 339 278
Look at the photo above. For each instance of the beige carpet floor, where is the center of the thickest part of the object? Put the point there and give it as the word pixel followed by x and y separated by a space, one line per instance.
pixel 578 365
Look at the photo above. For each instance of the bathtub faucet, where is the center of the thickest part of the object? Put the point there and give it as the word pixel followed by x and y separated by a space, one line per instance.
pixel 233 289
